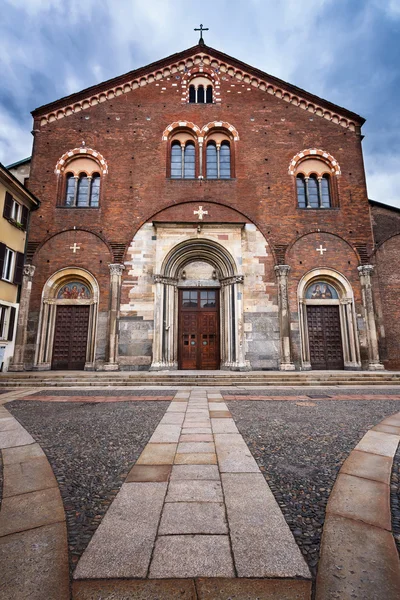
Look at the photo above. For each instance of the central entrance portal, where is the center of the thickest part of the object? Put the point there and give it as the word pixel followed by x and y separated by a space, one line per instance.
pixel 199 329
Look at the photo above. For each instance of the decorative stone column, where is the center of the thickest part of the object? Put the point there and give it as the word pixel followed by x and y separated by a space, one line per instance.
pixel 364 273
pixel 165 349
pixel 232 342
pixel 17 362
pixel 115 287
pixel 281 272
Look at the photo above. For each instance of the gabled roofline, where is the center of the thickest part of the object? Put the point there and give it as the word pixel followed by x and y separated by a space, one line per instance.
pixel 203 49
pixel 16 184
pixel 382 205
pixel 19 162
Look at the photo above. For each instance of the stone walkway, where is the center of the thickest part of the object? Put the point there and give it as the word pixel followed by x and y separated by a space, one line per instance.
pixel 195 505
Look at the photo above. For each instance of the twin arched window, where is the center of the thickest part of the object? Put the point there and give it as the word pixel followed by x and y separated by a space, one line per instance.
pixel 313 191
pixel 200 94
pixel 218 160
pixel 183 160
pixel 188 159
pixel 82 190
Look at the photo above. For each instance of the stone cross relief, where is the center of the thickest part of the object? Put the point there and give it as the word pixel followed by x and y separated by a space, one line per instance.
pixel 321 250
pixel 200 212
pixel 74 248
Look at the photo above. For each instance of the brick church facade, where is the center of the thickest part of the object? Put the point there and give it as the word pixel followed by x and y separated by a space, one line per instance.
pixel 198 213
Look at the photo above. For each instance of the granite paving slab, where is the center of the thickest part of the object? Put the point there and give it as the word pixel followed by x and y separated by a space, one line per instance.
pixel 368 466
pixel 148 473
pixel 224 426
pixel 166 433
pixel 123 542
pixel 378 442
pixel 195 447
pixel 233 454
pixel 34 564
pixel 157 454
pixel 252 589
pixel 21 453
pixel 192 472
pixel 196 459
pixel 27 511
pixel 362 499
pixel 262 543
pixel 144 589
pixel 358 561
pixel 193 517
pixel 15 437
pixel 192 556
pixel 28 476
pixel 194 491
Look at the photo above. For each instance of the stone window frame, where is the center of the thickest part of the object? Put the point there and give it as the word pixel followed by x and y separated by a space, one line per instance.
pixel 318 164
pixel 65 165
pixel 185 131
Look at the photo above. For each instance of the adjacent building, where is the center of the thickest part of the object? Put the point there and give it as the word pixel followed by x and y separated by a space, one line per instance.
pixel 16 202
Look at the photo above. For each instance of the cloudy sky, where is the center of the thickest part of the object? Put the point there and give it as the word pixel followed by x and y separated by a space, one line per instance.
pixel 347 51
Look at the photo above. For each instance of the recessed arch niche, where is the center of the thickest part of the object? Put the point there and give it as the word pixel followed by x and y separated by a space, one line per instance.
pixel 67 287
pixel 327 287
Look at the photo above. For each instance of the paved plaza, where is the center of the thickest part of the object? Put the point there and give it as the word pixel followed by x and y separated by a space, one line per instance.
pixel 208 493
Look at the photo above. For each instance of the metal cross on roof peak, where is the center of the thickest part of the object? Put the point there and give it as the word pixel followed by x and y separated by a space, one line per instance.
pixel 201 29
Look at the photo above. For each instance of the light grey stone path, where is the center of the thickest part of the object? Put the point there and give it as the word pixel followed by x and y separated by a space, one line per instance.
pixel 194 505
pixel 33 535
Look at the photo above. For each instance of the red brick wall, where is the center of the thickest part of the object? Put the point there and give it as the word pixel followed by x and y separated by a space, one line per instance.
pixel 127 131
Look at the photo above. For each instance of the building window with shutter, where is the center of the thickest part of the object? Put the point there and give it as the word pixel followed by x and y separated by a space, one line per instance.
pixel 11 265
pixel 8 267
pixel 15 213
pixel 7 322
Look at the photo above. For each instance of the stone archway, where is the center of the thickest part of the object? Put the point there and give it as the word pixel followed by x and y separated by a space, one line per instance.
pixel 72 294
pixel 222 274
pixel 327 291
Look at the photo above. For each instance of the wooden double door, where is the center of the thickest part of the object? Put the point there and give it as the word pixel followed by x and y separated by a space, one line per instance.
pixel 324 337
pixel 70 337
pixel 199 329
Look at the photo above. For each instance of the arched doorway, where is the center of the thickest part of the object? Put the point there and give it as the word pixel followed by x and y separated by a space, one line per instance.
pixel 68 320
pixel 327 322
pixel 198 313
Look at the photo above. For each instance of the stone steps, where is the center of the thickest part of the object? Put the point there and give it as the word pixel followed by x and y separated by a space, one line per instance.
pixel 256 378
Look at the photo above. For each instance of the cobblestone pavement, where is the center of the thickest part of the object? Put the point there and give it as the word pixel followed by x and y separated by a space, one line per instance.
pixel 91 448
pixel 300 446
pixel 395 498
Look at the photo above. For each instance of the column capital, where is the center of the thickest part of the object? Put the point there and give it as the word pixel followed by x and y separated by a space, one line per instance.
pixel 29 271
pixel 157 278
pixel 231 280
pixel 365 270
pixel 116 269
pixel 282 270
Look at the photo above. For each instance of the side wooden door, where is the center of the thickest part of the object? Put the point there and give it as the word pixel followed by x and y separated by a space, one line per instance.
pixel 70 337
pixel 325 338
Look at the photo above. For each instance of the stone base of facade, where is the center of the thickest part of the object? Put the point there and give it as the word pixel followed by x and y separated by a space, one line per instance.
pixel 287 367
pixel 376 367
pixel 109 367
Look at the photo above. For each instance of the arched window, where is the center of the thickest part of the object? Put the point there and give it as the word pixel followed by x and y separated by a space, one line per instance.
pixel 313 184
pixel 325 192
pixel 200 94
pixel 211 161
pixel 200 90
pixel 176 160
pixel 218 160
pixel 189 161
pixel 83 191
pixel 82 187
pixel 301 191
pixel 70 189
pixel 95 190
pixel 225 160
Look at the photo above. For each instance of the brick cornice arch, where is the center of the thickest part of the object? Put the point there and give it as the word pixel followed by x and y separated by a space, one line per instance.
pixel 180 125
pixel 220 125
pixel 83 151
pixel 314 153
pixel 85 229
